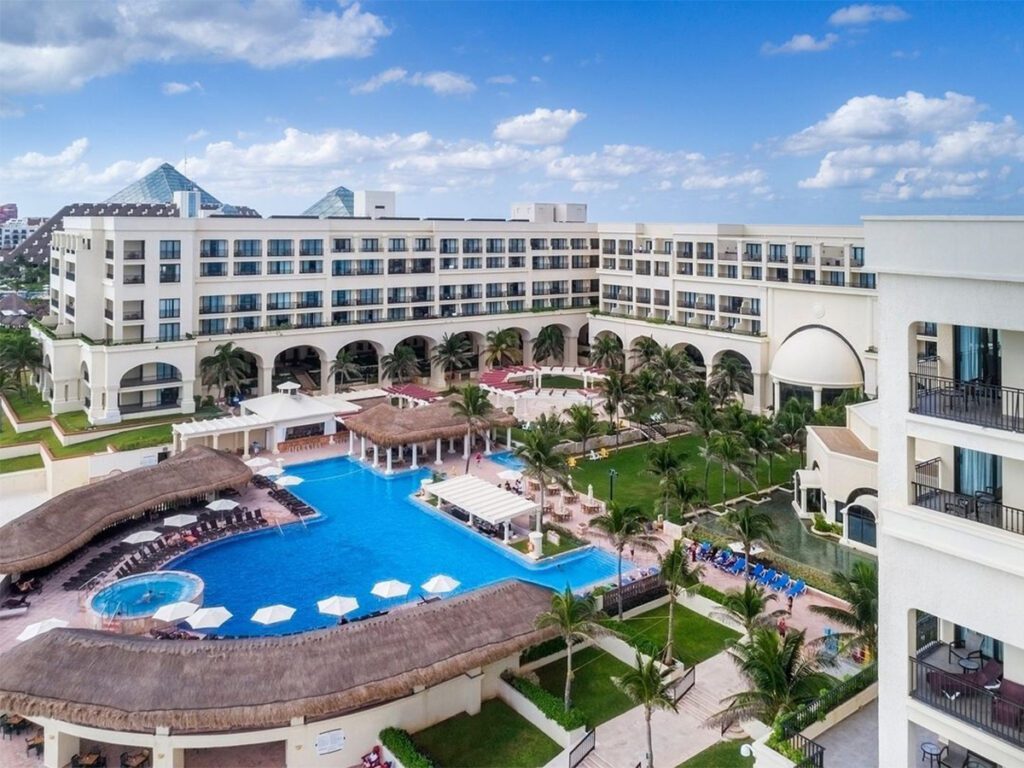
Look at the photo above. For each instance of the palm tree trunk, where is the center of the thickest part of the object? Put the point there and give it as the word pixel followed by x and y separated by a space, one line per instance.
pixel 746 561
pixel 469 450
pixel 707 473
pixel 771 466
pixel 650 743
pixel 669 655
pixel 568 674
pixel 619 601
pixel 540 512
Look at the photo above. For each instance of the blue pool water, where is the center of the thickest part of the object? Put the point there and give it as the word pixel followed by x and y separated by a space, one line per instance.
pixel 507 459
pixel 136 596
pixel 370 532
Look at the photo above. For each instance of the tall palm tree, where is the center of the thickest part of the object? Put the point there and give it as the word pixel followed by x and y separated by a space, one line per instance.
pixel 226 367
pixel 625 526
pixel 502 348
pixel 473 405
pixel 646 391
pixel 452 354
pixel 748 607
pixel 792 421
pixel 663 463
pixel 616 389
pixel 400 365
pixel 679 574
pixel 576 618
pixel 19 354
pixel 345 367
pixel 644 685
pixel 645 350
pixel 549 343
pixel 543 463
pixel 757 431
pixel 678 494
pixel 606 352
pixel 730 377
pixel 860 591
pixel 782 673
pixel 583 422
pixel 673 366
pixel 732 453
pixel 704 418
pixel 550 425
pixel 749 524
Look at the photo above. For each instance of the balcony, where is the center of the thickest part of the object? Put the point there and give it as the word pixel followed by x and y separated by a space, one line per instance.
pixel 134 279
pixel 213 309
pixel 984 405
pixel 962 700
pixel 984 508
pixel 245 308
pixel 144 381
pixel 134 255
pixel 132 316
pixel 135 408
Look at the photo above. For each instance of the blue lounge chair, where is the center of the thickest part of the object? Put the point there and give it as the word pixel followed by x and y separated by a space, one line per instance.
pixel 781 583
pixel 739 565
pixel 767 577
pixel 757 572
pixel 797 589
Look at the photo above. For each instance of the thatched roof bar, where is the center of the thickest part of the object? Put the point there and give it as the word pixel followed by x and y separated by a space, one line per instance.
pixel 389 426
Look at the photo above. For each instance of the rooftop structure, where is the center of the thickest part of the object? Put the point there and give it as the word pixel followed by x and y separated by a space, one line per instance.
pixel 340 201
pixel 159 186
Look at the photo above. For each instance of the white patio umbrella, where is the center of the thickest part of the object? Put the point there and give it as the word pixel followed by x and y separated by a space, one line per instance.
pixel 440 584
pixel 390 588
pixel 337 605
pixel 590 492
pixel 270 472
pixel 179 521
pixel 258 462
pixel 141 537
pixel 289 386
pixel 222 505
pixel 287 480
pixel 41 628
pixel 755 549
pixel 273 614
pixel 510 475
pixel 208 618
pixel 175 611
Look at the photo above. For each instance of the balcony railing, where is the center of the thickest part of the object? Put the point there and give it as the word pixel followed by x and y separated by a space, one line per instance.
pixel 133 315
pixel 985 405
pixel 982 507
pixel 136 408
pixel 141 381
pixel 948 692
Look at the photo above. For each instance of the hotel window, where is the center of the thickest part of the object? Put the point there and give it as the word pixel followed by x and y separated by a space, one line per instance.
pixel 213 249
pixel 578 243
pixel 471 245
pixel 170 249
pixel 309 299
pixel 213 269
pixel 311 247
pixel 279 248
pixel 421 244
pixel 340 299
pixel 858 256
pixel 311 267
pixel 170 273
pixel 342 245
pixel 247 302
pixel 517 245
pixel 170 308
pixel 495 245
pixel 396 244
pixel 559 244
pixel 370 245
pixel 210 326
pixel 371 267
pixel 777 251
pixel 449 245
pixel 165 372
pixel 341 267
pixel 538 244
pixel 803 254
pixel 279 301
pixel 169 331
pixel 245 324
pixel 248 249
pixel 280 268
pixel 248 268
pixel 211 305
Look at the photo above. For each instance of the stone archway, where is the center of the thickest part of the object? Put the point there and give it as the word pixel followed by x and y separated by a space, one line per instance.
pixel 304 364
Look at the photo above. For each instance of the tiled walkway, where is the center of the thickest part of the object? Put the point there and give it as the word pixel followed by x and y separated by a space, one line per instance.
pixel 853 743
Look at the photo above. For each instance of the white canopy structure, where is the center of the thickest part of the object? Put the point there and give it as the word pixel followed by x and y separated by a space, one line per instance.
pixel 817 358
pixel 480 499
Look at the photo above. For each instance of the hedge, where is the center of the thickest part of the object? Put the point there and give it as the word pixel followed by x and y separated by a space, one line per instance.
pixel 641 643
pixel 541 650
pixel 404 749
pixel 706 590
pixel 550 706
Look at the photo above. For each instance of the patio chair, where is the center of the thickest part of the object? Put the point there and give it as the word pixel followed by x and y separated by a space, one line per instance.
pixel 781 583
pixel 757 572
pixel 797 589
pixel 767 577
pixel 739 565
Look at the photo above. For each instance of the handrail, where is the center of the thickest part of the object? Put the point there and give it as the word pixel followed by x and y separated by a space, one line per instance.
pixel 981 508
pixel 970 402
pixel 583 748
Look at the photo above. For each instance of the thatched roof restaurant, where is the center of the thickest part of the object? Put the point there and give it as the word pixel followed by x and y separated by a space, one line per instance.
pixel 389 426
pixel 126 683
pixel 60 526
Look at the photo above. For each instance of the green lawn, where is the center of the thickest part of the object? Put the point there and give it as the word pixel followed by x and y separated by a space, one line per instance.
pixel 724 754
pixel 144 437
pixel 73 421
pixel 695 638
pixel 553 381
pixel 593 691
pixel 35 461
pixel 29 406
pixel 78 421
pixel 498 737
pixel 634 485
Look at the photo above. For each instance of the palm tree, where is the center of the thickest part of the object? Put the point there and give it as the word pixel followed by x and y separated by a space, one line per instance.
pixel 537 450
pixel 8 386
pixel 549 343
pixel 575 617
pixel 644 685
pixel 551 425
pixel 679 574
pixel 860 591
pixel 606 352
pixel 626 526
pixel 646 391
pixel 645 350
pixel 400 365
pixel 663 463
pixel 705 419
pixel 503 348
pixel 731 451
pixel 757 431
pixel 678 494
pixel 747 606
pixel 452 354
pixel 749 524
pixel 782 675
pixel 583 422
pixel 674 367
pixel 730 377
pixel 792 421
pixel 226 367
pixel 473 406
pixel 616 388
pixel 20 353
pixel 345 367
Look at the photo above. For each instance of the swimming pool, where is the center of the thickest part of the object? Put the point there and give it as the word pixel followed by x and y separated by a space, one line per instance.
pixel 138 596
pixel 507 459
pixel 370 532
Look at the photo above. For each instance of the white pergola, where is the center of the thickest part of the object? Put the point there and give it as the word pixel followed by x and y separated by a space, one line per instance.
pixel 480 499
pixel 215 428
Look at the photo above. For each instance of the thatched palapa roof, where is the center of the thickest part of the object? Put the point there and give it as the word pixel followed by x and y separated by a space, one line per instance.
pixel 387 425
pixel 58 527
pixel 135 684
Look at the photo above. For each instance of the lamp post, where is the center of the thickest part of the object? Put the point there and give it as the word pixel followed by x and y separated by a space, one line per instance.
pixel 612 474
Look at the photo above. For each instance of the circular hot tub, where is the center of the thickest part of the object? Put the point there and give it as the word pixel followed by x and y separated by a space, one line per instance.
pixel 128 604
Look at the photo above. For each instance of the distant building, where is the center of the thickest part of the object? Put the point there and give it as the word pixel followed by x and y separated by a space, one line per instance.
pixel 8 211
pixel 16 231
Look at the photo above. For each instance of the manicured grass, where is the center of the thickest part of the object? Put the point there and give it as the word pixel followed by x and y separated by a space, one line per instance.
pixel 136 438
pixel 498 737
pixel 555 381
pixel 73 421
pixel 634 485
pixel 29 405
pixel 35 461
pixel 593 691
pixel 78 421
pixel 565 544
pixel 694 639
pixel 724 754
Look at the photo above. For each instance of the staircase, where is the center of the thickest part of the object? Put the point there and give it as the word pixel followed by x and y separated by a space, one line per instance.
pixel 594 760
pixel 651 433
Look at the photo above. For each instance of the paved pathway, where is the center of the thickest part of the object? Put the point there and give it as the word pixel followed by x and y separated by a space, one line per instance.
pixel 853 743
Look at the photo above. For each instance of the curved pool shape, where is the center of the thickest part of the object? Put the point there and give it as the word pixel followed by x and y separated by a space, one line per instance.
pixel 507 459
pixel 139 596
pixel 370 532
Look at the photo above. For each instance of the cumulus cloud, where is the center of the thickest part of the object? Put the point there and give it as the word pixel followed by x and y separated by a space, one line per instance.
pixel 441 83
pixel 866 13
pixel 502 80
pixel 542 126
pixel 177 89
pixel 801 44
pixel 55 45
pixel 202 133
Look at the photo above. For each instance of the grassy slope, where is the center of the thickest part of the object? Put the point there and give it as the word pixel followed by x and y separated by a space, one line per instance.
pixel 695 638
pixel 724 754
pixel 593 691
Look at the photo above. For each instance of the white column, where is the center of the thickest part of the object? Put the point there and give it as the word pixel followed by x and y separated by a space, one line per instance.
pixel 465 446
pixel 362 448
pixel 451 445
pixel 437 450
pixel 817 397
pixel 376 456
pixel 777 394
pixel 326 377
pixel 351 442
pixel 216 441
pixel 59 747
pixel 245 444
pixel 415 450
pixel 487 443
pixel 266 379
pixel 508 437
pixel 389 460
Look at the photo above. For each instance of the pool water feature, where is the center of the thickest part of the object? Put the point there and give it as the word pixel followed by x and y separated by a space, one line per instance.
pixel 139 596
pixel 508 460
pixel 370 532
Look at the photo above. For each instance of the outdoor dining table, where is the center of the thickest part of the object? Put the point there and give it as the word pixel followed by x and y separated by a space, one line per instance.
pixel 591 508
pixel 36 743
pixel 570 497
pixel 137 760
pixel 93 758
pixel 554 489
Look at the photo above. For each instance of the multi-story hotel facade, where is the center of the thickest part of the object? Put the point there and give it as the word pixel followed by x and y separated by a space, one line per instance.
pixel 951 533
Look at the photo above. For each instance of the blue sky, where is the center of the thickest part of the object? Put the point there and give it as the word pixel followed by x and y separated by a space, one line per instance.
pixel 756 112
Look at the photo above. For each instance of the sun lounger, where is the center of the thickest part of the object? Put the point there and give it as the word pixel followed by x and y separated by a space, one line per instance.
pixel 739 565
pixel 767 577
pixel 757 572
pixel 797 589
pixel 781 583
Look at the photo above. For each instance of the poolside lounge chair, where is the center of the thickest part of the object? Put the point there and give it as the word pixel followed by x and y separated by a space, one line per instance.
pixel 767 577
pixel 780 583
pixel 757 572
pixel 739 565
pixel 796 589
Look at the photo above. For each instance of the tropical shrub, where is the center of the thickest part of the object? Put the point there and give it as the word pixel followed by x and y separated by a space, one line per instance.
pixel 542 650
pixel 549 704
pixel 401 745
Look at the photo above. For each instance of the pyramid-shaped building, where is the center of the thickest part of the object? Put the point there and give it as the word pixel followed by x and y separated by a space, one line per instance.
pixel 159 186
pixel 340 201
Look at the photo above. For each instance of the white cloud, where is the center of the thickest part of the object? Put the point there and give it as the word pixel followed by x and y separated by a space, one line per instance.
pixel 72 153
pixel 441 83
pixel 700 181
pixel 801 44
pixel 542 126
pixel 502 80
pixel 202 133
pixel 56 45
pixel 177 89
pixel 866 13
pixel 535 79
pixel 9 109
